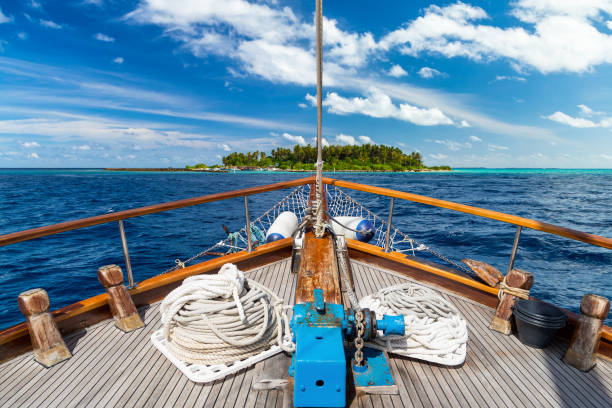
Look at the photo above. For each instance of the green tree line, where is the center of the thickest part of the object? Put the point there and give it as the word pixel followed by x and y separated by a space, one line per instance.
pixel 335 157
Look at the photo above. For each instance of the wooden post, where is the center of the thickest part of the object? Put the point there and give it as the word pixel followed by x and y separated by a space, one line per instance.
pixel 49 347
pixel 515 279
pixel 585 340
pixel 121 304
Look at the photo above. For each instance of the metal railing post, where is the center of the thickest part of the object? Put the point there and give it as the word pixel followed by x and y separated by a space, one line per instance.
pixel 389 225
pixel 248 224
pixel 517 235
pixel 126 255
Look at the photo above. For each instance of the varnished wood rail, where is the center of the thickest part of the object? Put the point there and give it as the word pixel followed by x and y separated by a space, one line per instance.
pixel 151 209
pixel 481 212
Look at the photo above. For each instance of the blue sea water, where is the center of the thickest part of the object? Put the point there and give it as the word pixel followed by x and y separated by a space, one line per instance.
pixel 66 264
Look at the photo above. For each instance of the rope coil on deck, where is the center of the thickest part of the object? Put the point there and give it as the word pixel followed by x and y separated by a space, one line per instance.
pixel 223 318
pixel 435 329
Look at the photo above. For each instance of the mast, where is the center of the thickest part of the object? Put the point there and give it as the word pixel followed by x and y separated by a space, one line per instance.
pixel 319 228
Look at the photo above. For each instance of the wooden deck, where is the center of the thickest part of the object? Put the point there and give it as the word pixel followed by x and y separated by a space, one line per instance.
pixel 110 368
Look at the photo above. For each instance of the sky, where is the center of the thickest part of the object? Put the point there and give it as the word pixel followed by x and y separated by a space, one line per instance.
pixel 159 83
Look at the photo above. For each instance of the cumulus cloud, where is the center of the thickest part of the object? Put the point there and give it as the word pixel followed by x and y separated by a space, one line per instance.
pixel 30 144
pixel 226 148
pixel 397 71
pixel 453 145
pixel 118 60
pixel 427 73
pixel 84 147
pixel 554 41
pixel 510 78
pixel 475 139
pixel 50 24
pixel 4 18
pixel 571 121
pixel 33 156
pixel 267 40
pixel 494 148
pixel 585 109
pixel 104 37
pixel 379 105
pixel 295 139
pixel 346 139
pixel 366 139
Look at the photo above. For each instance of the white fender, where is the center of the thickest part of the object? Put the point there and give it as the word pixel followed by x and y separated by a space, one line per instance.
pixel 364 226
pixel 283 226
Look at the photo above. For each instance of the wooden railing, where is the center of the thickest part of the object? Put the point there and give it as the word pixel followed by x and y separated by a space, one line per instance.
pixel 481 212
pixel 136 212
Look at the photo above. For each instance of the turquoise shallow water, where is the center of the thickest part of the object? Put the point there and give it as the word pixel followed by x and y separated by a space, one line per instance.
pixel 66 264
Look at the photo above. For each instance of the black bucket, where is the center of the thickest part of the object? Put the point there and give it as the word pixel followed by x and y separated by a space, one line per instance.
pixel 537 322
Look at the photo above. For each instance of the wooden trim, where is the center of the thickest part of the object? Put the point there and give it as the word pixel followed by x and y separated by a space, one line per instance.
pixel 15 340
pixel 136 212
pixel 481 212
pixel 487 295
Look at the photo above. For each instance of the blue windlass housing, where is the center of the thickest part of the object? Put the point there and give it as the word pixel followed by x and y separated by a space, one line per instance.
pixel 319 362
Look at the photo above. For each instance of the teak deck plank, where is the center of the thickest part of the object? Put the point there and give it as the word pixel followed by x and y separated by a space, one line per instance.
pixel 111 368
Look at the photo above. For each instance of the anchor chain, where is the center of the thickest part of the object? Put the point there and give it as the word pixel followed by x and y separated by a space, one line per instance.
pixel 359 318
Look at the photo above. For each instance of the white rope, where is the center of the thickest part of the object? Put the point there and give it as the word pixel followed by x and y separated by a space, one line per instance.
pixel 435 330
pixel 223 318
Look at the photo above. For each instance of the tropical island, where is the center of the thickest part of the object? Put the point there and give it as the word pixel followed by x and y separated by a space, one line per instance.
pixel 367 157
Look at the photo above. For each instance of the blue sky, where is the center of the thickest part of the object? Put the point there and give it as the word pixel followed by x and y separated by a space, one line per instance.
pixel 93 83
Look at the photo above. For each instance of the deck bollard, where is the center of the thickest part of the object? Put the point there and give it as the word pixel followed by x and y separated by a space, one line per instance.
pixel 119 300
pixel 47 342
pixel 585 340
pixel 514 279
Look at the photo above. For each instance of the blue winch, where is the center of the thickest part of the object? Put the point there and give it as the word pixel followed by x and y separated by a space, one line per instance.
pixel 319 362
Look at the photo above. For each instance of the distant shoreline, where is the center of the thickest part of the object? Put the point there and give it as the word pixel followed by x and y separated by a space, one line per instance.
pixel 226 170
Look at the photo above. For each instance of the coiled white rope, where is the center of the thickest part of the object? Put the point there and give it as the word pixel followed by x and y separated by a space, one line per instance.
pixel 223 318
pixel 435 330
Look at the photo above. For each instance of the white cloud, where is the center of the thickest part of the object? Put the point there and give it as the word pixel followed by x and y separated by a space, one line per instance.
pixel 510 78
pixel 82 147
pixel 427 72
pixel 33 156
pixel 366 140
pixel 226 147
pixel 22 35
pixel 50 24
pixel 453 145
pixel 475 139
pixel 35 4
pixel 104 37
pixel 271 42
pixel 494 148
pixel 571 121
pixel 346 139
pixel 118 60
pixel 131 156
pixel 30 144
pixel 302 105
pixel 295 139
pixel 609 24
pixel 379 105
pixel 585 109
pixel 563 36
pixel 438 156
pixel 324 142
pixel 4 18
pixel 464 124
pixel 397 71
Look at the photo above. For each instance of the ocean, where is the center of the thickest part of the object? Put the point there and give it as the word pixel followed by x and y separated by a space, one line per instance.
pixel 66 264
